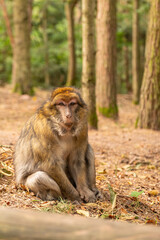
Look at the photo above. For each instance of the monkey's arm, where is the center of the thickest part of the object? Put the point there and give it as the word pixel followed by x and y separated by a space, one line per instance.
pixel 80 176
pixel 68 190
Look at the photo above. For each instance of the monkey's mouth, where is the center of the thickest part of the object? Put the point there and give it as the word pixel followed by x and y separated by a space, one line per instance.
pixel 67 126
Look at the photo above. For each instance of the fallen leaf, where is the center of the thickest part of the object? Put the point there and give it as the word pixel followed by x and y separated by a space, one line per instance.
pixel 34 98
pixel 151 221
pixel 92 205
pixel 153 192
pixel 151 167
pixel 83 213
pixel 123 211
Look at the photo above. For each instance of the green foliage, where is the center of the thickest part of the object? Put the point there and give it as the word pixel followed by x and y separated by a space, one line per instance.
pixel 124 39
pixel 6 52
pixel 113 196
pixel 58 45
pixel 136 194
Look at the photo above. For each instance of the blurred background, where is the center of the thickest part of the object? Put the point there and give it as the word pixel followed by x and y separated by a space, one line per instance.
pixel 49 41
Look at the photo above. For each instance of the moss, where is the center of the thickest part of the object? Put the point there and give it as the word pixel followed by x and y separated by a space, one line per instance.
pixel 136 123
pixel 31 91
pixel 93 120
pixel 110 112
pixel 17 88
pixel 136 102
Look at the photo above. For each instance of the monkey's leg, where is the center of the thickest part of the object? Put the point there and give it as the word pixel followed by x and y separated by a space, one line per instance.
pixel 78 171
pixel 91 173
pixel 43 186
pixel 68 190
pixel 90 165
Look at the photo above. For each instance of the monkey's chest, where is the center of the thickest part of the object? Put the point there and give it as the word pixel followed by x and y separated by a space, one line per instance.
pixel 67 145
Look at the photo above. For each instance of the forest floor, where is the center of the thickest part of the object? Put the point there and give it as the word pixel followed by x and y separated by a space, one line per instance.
pixel 127 164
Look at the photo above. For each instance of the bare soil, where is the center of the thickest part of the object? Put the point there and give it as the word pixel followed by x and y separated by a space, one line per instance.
pixel 127 162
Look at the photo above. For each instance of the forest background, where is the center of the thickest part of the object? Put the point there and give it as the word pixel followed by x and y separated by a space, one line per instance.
pixel 109 49
pixel 56 43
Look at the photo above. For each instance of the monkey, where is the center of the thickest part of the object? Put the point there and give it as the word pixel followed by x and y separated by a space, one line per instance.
pixel 53 158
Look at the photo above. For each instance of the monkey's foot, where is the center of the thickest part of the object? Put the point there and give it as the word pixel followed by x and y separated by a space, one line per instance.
pixel 98 194
pixel 87 195
pixel 47 195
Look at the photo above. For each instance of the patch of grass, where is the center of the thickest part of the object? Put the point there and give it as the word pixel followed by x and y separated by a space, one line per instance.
pixel 110 112
pixel 61 206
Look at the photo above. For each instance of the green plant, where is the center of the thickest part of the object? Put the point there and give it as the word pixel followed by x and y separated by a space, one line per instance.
pixel 135 196
pixel 113 196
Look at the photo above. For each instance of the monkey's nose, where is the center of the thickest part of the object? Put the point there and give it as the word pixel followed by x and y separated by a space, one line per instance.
pixel 68 115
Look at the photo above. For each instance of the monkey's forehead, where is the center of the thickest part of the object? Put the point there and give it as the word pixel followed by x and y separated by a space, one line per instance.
pixel 63 90
pixel 66 97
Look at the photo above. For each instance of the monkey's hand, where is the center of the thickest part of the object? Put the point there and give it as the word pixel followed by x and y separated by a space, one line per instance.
pixel 87 195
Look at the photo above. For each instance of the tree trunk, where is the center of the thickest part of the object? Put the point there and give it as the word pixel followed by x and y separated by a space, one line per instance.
pixel 88 51
pixel 126 67
pixel 106 59
pixel 69 8
pixel 149 116
pixel 30 6
pixel 136 82
pixel 45 37
pixel 21 55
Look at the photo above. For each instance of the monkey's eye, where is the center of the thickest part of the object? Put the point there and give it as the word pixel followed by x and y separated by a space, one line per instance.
pixel 72 103
pixel 61 104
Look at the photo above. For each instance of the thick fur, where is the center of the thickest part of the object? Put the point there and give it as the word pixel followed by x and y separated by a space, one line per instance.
pixel 52 160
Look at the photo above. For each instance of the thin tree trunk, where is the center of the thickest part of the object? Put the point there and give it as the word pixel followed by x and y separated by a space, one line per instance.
pixel 7 22
pixel 21 56
pixel 106 59
pixel 45 37
pixel 149 116
pixel 136 82
pixel 69 8
pixel 88 67
pixel 126 67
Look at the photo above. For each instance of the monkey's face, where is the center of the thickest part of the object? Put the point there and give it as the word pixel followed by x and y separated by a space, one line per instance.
pixel 68 111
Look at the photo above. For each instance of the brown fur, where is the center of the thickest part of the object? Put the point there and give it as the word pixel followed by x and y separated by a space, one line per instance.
pixel 53 157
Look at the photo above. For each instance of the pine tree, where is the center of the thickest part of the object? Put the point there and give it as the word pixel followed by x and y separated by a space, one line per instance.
pixel 106 59
pixel 149 116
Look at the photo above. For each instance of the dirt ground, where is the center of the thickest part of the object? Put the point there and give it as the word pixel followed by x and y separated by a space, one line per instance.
pixel 127 163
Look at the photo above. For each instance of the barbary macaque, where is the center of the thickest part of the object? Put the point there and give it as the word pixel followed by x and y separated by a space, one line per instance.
pixel 53 157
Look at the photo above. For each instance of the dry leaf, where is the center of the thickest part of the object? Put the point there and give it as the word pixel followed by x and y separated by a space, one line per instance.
pixel 151 221
pixel 123 211
pixel 102 172
pixel 153 192
pixel 83 213
pixel 92 205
